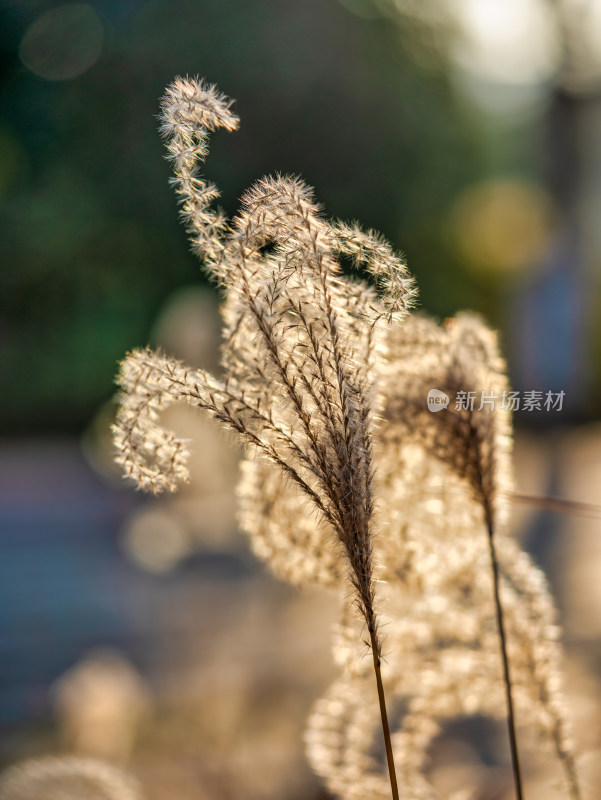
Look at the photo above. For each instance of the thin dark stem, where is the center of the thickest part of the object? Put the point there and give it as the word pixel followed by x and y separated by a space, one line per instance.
pixel 384 715
pixel 517 777
pixel 558 505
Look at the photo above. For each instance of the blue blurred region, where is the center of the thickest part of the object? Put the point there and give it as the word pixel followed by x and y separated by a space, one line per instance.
pixel 64 584
pixel 548 331
pixel 67 587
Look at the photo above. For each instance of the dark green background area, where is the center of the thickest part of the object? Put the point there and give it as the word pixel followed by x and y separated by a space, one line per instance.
pixel 90 239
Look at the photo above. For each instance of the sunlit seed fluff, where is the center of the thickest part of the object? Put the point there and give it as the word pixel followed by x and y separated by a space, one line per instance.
pixel 347 474
pixel 461 357
pixel 297 545
pixel 451 683
pixel 441 660
pixel 190 110
pixel 436 602
pixel 297 385
pixel 67 778
pixel 448 475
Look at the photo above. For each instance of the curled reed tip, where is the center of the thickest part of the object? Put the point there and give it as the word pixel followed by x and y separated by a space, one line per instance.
pixel 347 473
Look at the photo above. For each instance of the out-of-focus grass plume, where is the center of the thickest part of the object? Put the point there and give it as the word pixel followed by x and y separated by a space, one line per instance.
pixel 67 779
pixel 308 358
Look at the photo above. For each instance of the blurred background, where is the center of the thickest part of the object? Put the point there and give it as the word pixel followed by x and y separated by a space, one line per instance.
pixel 467 132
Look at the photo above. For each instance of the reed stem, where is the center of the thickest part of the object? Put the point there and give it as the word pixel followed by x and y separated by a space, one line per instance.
pixel 515 761
pixel 385 728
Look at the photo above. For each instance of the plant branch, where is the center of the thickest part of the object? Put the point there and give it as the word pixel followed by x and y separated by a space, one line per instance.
pixel 515 761
pixel 385 728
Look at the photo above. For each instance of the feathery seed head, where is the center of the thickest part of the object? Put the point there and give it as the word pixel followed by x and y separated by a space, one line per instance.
pixel 299 347
pixel 325 380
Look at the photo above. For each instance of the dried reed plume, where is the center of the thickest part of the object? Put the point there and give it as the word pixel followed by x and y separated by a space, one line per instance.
pixel 299 341
pixel 436 600
pixel 435 595
pixel 475 442
pixel 311 360
pixel 67 778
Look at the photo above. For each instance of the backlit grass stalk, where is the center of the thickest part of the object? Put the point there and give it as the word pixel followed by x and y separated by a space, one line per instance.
pixel 299 341
pixel 513 743
pixel 474 441
pixel 311 360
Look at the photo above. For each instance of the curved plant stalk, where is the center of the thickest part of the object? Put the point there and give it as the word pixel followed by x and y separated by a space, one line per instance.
pixel 311 362
pixel 298 345
pixel 384 717
pixel 473 440
pixel 513 741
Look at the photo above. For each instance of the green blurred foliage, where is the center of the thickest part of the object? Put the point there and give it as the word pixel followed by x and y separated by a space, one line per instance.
pixel 90 237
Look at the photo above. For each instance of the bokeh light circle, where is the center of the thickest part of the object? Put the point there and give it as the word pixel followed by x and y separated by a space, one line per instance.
pixel 502 227
pixel 63 43
pixel 511 42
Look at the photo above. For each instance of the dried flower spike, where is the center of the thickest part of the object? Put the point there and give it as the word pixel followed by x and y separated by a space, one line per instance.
pixel 311 360
pixel 299 342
